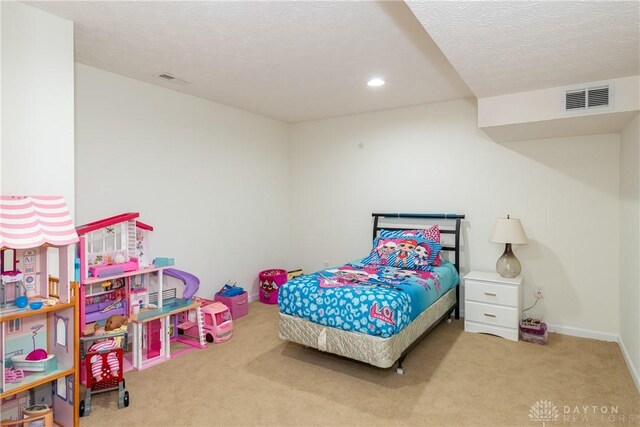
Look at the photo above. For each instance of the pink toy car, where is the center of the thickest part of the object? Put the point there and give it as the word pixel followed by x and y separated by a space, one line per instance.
pixel 218 325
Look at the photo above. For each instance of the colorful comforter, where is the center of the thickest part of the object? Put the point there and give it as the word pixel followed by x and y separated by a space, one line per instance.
pixel 374 300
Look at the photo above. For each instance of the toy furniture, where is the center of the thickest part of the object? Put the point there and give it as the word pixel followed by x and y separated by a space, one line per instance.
pixel 10 275
pixel 109 380
pixel 54 287
pixel 35 415
pixel 492 304
pixel 31 228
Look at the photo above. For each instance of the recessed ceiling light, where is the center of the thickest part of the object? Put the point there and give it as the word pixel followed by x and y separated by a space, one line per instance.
pixel 375 82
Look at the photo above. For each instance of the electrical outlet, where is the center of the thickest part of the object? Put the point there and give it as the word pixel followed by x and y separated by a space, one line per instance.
pixel 539 293
pixel 326 264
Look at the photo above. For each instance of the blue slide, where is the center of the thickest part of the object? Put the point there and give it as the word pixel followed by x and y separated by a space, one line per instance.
pixel 191 282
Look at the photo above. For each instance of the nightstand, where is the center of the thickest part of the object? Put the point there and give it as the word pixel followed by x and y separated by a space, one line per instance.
pixel 492 304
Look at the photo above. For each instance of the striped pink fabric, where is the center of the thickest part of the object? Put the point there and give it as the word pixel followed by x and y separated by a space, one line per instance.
pixel 32 221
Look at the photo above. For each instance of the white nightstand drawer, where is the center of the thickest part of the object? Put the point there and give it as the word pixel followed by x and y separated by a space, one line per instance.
pixel 491 293
pixel 491 314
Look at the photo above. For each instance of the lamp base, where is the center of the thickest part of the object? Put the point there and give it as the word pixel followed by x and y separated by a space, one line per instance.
pixel 508 265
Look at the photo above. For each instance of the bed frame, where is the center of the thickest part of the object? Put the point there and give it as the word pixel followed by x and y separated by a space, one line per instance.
pixel 307 333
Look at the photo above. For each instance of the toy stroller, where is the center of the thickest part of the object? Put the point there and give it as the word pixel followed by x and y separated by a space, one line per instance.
pixel 103 367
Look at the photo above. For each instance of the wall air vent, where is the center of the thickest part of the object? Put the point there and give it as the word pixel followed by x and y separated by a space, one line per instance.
pixel 587 99
pixel 598 97
pixel 166 76
pixel 576 100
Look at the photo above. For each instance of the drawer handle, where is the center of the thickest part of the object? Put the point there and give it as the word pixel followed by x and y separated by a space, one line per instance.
pixel 491 294
pixel 490 315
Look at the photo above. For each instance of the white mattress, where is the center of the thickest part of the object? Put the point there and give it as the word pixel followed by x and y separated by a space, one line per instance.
pixel 377 351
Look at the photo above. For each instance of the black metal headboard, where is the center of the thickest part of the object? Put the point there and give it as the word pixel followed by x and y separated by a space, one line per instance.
pixel 455 247
pixel 444 222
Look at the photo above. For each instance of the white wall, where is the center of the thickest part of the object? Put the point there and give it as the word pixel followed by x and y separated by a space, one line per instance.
pixel 630 246
pixel 433 158
pixel 37 103
pixel 211 179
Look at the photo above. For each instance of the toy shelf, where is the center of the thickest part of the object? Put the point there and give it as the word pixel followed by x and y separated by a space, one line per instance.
pixel 20 313
pixel 139 272
pixel 36 379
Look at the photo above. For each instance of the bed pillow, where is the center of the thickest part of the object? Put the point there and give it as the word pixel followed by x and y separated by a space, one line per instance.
pixel 414 252
pixel 431 233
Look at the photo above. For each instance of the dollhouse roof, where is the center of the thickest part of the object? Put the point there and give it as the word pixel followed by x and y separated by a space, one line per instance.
pixel 106 222
pixel 144 226
pixel 32 221
pixel 112 220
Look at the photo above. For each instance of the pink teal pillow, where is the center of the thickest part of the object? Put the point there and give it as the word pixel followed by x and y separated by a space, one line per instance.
pixel 431 233
pixel 413 252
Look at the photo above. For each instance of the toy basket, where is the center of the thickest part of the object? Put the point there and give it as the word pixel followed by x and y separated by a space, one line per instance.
pixel 270 282
pixel 238 304
pixel 533 329
pixel 531 322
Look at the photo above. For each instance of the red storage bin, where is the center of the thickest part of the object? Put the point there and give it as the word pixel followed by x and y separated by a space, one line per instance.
pixel 270 282
pixel 238 304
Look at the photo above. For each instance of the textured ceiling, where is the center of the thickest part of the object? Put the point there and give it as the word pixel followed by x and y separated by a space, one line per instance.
pixel 501 47
pixel 292 61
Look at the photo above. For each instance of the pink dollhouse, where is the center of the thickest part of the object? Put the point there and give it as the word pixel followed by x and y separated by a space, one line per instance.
pixel 37 314
pixel 118 278
pixel 108 255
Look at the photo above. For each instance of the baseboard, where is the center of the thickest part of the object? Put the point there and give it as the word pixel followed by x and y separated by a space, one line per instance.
pixel 577 332
pixel 254 297
pixel 627 358
pixel 583 333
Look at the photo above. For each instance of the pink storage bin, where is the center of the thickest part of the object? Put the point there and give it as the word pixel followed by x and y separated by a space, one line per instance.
pixel 238 305
pixel 270 282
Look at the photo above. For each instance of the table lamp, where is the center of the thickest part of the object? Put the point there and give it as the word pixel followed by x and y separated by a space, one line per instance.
pixel 508 231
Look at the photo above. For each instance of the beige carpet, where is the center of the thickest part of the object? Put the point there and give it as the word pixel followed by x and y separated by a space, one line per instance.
pixel 451 378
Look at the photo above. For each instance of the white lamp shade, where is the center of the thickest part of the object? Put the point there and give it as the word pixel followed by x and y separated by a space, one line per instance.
pixel 509 230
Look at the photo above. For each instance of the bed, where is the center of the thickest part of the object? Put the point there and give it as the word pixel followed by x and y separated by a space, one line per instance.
pixel 376 313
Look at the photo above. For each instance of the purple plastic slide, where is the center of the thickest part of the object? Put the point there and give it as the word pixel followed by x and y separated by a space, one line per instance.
pixel 191 282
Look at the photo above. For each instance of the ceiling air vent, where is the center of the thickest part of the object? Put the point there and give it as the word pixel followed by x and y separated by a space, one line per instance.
pixel 587 98
pixel 171 79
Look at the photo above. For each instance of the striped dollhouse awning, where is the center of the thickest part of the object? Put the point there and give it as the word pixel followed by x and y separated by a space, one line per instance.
pixel 32 221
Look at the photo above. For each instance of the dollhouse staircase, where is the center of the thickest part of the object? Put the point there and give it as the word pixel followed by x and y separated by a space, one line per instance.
pixel 199 323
